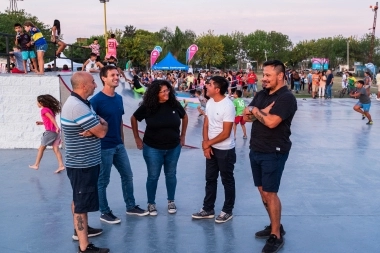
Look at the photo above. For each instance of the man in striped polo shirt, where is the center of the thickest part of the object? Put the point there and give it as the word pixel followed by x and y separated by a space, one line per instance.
pixel 82 130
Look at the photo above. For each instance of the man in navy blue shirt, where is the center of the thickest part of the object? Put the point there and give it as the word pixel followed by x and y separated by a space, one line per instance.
pixel 329 83
pixel 109 105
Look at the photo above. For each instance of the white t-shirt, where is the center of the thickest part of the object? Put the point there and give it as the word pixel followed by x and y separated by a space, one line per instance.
pixel 217 113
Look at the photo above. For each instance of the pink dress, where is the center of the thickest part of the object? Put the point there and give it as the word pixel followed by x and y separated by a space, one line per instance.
pixel 112 45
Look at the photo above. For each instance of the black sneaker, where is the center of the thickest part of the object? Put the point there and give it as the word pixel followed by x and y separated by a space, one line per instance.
pixel 202 214
pixel 172 207
pixel 223 217
pixel 152 209
pixel 92 249
pixel 273 244
pixel 91 232
pixel 264 234
pixel 138 211
pixel 363 116
pixel 109 218
pixel 369 122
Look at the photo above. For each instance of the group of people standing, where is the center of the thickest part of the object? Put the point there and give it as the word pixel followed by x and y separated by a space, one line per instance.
pixel 93 132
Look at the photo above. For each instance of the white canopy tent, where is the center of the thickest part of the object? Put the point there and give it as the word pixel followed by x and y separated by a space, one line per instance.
pixel 60 62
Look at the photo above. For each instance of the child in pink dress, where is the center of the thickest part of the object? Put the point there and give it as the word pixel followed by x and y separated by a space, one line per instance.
pixel 51 137
pixel 112 46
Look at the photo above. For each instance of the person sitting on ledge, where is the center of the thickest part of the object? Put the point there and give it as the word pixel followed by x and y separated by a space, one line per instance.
pixel 91 65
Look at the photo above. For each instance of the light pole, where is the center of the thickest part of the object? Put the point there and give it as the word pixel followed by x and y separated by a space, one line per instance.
pixel 265 51
pixel 105 22
pixel 348 54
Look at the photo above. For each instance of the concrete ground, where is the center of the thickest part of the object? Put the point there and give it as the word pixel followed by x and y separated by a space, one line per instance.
pixel 330 196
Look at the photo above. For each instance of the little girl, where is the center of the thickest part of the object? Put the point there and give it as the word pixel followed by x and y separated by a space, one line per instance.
pixel 51 137
pixel 56 37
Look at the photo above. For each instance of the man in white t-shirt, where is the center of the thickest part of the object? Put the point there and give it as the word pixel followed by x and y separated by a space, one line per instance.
pixel 378 86
pixel 219 149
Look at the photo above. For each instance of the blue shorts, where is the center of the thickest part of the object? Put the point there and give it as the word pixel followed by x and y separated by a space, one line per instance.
pixel 42 47
pixel 267 169
pixel 28 55
pixel 365 107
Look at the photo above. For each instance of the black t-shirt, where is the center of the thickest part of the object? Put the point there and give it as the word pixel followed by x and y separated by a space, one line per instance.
pixel 265 139
pixel 136 82
pixel 329 79
pixel 162 128
pixel 23 40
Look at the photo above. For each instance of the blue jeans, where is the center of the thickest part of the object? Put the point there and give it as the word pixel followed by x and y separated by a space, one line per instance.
pixel 328 90
pixel 155 159
pixel 119 158
pixel 297 85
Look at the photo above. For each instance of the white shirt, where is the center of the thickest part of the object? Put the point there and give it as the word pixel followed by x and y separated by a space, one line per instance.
pixel 91 65
pixel 217 113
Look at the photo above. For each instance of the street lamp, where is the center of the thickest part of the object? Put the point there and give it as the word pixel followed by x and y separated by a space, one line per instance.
pixel 105 22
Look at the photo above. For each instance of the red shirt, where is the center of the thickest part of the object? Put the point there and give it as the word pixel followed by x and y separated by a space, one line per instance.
pixel 251 78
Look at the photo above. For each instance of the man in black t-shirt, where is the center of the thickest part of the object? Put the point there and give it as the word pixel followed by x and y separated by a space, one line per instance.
pixel 271 113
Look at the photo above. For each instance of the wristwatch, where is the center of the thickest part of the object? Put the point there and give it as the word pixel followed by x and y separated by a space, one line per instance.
pixel 250 108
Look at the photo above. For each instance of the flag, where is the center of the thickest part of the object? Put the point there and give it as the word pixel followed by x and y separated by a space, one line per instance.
pixel 154 56
pixel 158 48
pixel 191 52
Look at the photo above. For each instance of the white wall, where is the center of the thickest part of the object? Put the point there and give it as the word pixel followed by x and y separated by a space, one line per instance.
pixel 19 111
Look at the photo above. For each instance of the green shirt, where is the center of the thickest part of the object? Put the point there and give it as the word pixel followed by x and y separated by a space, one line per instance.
pixel 239 106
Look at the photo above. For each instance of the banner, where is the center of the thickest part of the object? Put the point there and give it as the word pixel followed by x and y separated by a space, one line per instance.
pixel 158 48
pixel 191 52
pixel 154 56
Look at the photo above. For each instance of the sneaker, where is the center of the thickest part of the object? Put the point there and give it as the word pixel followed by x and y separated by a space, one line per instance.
pixel 223 217
pixel 171 207
pixel 90 231
pixel 202 214
pixel 109 218
pixel 363 116
pixel 273 244
pixel 245 137
pixel 264 234
pixel 92 249
pixel 138 211
pixel 369 122
pixel 152 209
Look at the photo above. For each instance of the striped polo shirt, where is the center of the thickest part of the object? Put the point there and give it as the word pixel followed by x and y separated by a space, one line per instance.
pixel 77 116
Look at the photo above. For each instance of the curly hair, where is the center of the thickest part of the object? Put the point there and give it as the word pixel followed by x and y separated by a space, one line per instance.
pixel 50 102
pixel 151 96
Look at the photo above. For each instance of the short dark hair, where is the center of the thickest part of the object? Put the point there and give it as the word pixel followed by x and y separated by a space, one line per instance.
pixel 277 65
pixel 112 36
pixel 239 93
pixel 221 83
pixel 104 71
pixel 95 39
pixel 17 25
pixel 198 92
pixel 93 54
pixel 361 82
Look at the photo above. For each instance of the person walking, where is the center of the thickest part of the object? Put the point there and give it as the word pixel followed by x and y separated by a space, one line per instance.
pixel 364 103
pixel 219 149
pixel 83 156
pixel 329 83
pixel 109 105
pixel 271 114
pixel 162 140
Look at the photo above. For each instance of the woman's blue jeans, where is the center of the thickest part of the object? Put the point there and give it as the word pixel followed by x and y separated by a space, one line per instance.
pixel 155 159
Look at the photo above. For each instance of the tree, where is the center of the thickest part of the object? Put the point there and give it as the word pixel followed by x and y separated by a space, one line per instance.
pixel 211 49
pixel 229 54
pixel 129 31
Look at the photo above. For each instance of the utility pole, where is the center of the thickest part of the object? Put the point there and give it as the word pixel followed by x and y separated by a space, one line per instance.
pixel 348 54
pixel 374 9
pixel 265 52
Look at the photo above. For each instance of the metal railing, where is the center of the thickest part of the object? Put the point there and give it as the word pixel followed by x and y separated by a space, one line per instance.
pixel 49 54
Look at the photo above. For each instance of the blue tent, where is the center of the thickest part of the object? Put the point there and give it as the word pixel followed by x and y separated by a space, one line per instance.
pixel 170 63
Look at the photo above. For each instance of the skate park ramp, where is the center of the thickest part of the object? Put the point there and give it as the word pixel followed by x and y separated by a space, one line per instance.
pixel 132 100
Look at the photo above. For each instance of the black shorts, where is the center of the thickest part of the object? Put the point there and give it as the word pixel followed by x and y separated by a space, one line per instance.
pixel 267 169
pixel 85 188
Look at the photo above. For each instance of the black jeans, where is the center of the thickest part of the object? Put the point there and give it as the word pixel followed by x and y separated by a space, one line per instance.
pixel 222 161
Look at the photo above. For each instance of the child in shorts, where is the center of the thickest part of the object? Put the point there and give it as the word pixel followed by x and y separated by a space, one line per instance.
pixel 364 103
pixel 23 40
pixel 201 108
pixel 50 107
pixel 39 43
pixel 239 108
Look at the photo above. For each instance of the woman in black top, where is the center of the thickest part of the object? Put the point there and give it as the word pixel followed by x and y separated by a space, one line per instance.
pixel 162 140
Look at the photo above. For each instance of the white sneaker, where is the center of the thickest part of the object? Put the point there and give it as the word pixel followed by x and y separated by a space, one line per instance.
pixel 152 209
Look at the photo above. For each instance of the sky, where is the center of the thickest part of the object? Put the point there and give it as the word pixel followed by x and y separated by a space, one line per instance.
pixel 299 19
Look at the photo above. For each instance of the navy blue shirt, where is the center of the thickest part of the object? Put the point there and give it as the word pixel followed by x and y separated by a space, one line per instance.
pixel 111 110
pixel 329 79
